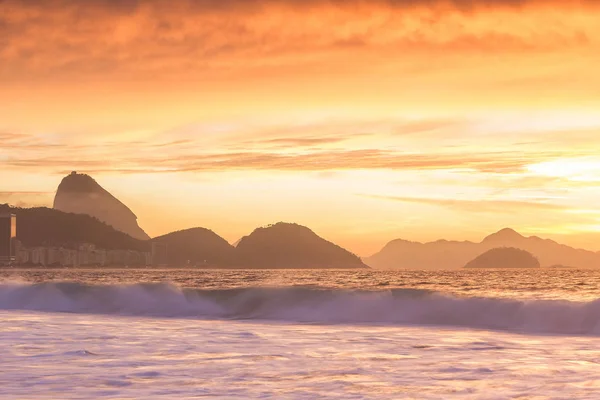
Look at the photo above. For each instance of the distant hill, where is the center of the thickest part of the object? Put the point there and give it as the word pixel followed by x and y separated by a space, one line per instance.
pixel 445 254
pixel 197 246
pixel 284 245
pixel 505 235
pixel 81 194
pixel 504 257
pixel 277 246
pixel 43 226
pixel 402 254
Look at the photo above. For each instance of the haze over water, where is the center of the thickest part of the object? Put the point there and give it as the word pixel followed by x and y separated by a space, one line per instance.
pixel 299 334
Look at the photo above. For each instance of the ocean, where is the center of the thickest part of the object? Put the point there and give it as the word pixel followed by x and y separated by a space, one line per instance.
pixel 289 334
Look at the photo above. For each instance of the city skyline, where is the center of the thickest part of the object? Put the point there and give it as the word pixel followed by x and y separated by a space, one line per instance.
pixel 418 120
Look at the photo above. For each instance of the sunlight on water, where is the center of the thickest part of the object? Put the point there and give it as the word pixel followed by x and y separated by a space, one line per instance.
pixel 565 284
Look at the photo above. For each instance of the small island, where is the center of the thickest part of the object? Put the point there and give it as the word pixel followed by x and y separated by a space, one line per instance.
pixel 504 257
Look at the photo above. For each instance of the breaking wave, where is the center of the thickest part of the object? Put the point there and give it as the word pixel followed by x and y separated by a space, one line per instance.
pixel 308 305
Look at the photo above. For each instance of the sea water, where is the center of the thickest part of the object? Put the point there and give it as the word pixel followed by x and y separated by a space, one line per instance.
pixel 82 334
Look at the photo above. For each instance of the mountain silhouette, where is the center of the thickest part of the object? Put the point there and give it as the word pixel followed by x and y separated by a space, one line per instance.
pixel 197 246
pixel 81 194
pixel 276 246
pixel 504 257
pixel 504 235
pixel 43 226
pixel 444 254
pixel 285 245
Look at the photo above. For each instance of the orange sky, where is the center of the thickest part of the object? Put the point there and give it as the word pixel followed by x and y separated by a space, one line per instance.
pixel 364 120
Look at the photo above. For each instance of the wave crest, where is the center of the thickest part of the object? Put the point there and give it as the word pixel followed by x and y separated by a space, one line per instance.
pixel 301 304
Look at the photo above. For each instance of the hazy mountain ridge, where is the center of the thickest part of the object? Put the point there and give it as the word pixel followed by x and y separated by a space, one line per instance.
pixel 443 254
pixel 81 194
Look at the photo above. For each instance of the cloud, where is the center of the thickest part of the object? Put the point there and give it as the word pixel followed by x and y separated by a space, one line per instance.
pixel 482 205
pixel 291 142
pixel 25 198
pixel 274 161
pixel 21 193
pixel 172 40
pixel 125 7
pixel 434 144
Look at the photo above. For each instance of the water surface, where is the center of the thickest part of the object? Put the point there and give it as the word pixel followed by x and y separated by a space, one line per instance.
pixel 299 334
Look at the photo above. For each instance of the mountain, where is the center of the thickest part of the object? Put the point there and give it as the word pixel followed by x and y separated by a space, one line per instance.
pixel 445 254
pixel 503 236
pixel 197 246
pixel 276 246
pixel 43 226
pixel 403 254
pixel 284 245
pixel 504 257
pixel 547 251
pixel 81 194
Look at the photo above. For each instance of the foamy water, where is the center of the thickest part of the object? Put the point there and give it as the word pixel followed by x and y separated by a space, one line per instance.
pixel 299 334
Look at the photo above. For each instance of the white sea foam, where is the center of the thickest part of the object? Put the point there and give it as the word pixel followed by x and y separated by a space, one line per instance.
pixel 48 355
pixel 390 307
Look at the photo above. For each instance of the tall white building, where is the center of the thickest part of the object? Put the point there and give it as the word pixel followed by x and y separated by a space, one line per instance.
pixel 8 233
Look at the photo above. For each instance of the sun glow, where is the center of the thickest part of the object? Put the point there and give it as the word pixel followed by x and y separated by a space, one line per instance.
pixel 577 169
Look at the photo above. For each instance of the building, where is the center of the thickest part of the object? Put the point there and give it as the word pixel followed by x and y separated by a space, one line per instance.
pixel 86 255
pixel 8 233
pixel 160 254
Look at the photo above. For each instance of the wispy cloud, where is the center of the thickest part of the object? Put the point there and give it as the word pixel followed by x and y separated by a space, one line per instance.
pixel 315 147
pixel 26 198
pixel 21 193
pixel 296 161
pixel 481 205
pixel 291 142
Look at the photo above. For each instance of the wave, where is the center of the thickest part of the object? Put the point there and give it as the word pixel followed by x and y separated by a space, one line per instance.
pixel 308 305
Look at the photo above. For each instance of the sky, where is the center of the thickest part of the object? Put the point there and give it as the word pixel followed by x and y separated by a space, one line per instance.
pixel 365 120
